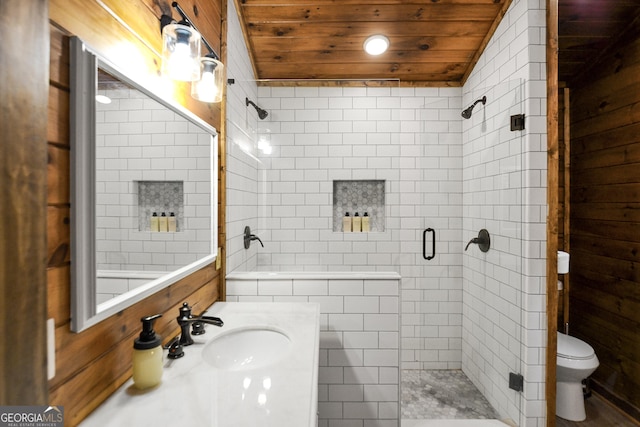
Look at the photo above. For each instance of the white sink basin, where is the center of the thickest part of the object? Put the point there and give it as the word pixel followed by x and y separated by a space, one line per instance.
pixel 246 348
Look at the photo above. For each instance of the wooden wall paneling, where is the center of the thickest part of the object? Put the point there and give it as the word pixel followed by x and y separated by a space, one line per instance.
pixel 58 185
pixel 24 89
pixel 92 364
pixel 58 236
pixel 222 164
pixel 562 142
pixel 140 58
pixel 605 218
pixel 553 202
pixel 59 295
pixel 110 364
pixel 58 101
pixel 566 194
pixel 72 346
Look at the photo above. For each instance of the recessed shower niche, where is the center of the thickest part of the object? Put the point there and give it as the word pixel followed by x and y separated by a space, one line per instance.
pixel 160 197
pixel 361 196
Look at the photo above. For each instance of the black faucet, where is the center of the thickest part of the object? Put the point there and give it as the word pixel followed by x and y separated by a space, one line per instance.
pixel 186 321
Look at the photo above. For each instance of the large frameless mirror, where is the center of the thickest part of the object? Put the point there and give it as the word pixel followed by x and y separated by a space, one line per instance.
pixel 144 190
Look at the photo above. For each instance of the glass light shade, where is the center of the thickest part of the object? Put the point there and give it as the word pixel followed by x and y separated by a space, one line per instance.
pixel 209 87
pixel 376 45
pixel 181 52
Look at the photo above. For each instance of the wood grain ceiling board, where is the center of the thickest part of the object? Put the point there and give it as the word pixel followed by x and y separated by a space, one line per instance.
pixel 433 42
pixel 587 28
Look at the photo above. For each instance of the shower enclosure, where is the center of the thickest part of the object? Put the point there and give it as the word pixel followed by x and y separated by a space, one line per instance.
pixel 467 303
pixel 444 177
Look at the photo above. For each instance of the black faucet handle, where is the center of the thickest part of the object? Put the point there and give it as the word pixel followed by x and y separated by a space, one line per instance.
pixel 474 240
pixel 197 328
pixel 175 349
pixel 185 312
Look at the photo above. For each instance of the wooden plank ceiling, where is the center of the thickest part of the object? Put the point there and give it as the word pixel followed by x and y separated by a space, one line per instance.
pixel 587 28
pixel 432 42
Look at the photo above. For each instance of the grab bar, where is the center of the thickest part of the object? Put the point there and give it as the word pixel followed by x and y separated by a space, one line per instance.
pixel 424 244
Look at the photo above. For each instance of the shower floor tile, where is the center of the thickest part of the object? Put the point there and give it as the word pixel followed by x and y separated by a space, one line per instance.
pixel 442 394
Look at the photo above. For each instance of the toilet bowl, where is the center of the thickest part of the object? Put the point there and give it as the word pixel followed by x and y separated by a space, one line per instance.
pixel 575 361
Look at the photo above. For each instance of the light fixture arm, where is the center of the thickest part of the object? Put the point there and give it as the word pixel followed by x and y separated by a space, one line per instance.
pixel 165 20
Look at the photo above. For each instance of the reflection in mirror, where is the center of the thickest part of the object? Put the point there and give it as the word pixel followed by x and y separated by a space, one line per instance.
pixel 144 191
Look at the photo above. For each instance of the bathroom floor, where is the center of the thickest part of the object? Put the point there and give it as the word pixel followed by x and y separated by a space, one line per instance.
pixel 599 413
pixel 441 394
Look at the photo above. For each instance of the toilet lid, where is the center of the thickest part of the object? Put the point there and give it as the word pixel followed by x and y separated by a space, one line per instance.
pixel 573 348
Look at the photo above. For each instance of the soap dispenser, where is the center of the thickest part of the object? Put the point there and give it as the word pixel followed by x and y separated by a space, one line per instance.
pixel 147 355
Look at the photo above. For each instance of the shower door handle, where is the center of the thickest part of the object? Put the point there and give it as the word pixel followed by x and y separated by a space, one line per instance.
pixel 433 244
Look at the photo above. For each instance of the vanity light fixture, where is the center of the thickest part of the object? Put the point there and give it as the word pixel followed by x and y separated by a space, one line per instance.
pixel 180 52
pixel 181 59
pixel 376 44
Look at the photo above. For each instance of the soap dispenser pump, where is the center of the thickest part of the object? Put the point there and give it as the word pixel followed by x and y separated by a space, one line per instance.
pixel 147 355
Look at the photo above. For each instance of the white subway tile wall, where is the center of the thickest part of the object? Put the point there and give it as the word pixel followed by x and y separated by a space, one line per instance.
pixel 504 190
pixel 138 139
pixel 242 165
pixel 419 159
pixel 440 171
pixel 359 372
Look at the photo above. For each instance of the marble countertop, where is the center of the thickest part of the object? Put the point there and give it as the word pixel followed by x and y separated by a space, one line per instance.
pixel 195 393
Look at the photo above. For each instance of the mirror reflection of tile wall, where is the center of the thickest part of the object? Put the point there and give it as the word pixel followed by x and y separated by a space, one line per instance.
pixel 359 196
pixel 160 197
pixel 139 140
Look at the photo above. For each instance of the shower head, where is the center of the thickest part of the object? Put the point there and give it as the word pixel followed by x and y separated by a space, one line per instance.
pixel 261 113
pixel 467 113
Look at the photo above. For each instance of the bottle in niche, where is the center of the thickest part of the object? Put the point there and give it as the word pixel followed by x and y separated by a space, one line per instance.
pixel 163 223
pixel 357 223
pixel 346 223
pixel 154 225
pixel 172 225
pixel 366 223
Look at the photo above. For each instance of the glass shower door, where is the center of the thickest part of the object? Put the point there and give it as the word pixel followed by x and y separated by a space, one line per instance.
pixel 468 303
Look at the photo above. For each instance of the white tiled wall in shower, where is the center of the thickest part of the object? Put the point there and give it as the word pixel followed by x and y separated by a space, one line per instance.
pixel 138 139
pixel 410 139
pixel 359 372
pixel 414 140
pixel 504 181
pixel 242 165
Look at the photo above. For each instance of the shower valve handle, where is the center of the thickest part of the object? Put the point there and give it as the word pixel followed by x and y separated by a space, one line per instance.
pixel 474 240
pixel 483 241
pixel 249 237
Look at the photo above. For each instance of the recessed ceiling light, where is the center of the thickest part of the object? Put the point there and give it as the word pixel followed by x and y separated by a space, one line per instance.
pixel 376 44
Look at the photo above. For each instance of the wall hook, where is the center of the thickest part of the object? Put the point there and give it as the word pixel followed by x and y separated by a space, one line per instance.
pixel 248 238
pixel 483 241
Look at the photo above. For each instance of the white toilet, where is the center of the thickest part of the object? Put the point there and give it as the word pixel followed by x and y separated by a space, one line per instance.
pixel 575 361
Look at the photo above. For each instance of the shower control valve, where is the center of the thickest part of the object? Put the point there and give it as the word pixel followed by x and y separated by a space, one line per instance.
pixel 483 241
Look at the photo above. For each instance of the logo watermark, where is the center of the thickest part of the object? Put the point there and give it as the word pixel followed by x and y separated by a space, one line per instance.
pixel 31 416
